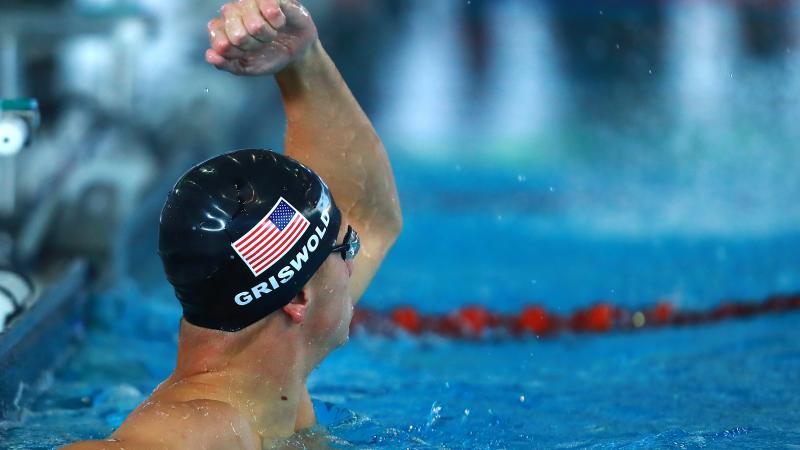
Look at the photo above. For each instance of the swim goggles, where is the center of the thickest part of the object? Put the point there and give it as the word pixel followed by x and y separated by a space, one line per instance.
pixel 349 248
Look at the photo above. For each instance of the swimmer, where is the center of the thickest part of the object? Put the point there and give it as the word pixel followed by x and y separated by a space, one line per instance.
pixel 268 254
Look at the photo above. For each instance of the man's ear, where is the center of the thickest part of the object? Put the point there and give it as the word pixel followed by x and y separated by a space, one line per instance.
pixel 296 309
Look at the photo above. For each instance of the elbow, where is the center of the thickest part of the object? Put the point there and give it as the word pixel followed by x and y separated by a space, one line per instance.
pixel 395 223
pixel 389 218
pixel 391 224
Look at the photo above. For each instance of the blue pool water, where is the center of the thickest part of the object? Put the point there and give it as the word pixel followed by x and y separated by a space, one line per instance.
pixel 512 240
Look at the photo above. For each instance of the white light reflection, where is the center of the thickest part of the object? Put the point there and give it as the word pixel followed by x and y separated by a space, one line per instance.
pixel 527 92
pixel 702 48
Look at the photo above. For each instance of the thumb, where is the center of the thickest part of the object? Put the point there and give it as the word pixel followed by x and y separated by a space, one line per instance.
pixel 296 14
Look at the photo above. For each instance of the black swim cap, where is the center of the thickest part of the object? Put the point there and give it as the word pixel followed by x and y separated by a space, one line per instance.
pixel 242 233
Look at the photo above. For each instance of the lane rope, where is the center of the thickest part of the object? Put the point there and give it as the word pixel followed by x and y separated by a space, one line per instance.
pixel 476 321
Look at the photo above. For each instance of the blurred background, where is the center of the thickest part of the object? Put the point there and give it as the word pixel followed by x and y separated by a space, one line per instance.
pixel 623 118
pixel 561 152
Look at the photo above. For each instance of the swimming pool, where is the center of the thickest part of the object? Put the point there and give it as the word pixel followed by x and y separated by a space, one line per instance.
pixel 501 239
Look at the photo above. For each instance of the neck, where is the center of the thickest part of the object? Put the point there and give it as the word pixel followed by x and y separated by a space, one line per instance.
pixel 260 371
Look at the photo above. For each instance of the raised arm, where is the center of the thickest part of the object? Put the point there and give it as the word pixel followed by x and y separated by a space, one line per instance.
pixel 327 130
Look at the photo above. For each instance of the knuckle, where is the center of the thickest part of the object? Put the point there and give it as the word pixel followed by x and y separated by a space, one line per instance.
pixel 220 46
pixel 235 34
pixel 264 6
pixel 254 27
pixel 274 13
pixel 265 31
pixel 237 38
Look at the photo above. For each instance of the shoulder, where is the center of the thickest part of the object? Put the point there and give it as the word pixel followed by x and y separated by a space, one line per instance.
pixel 202 423
pixel 109 444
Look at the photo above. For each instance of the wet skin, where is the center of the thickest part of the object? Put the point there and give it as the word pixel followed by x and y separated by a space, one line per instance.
pixel 247 389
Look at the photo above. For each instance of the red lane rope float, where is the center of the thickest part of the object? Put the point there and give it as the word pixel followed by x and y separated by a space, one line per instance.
pixel 475 321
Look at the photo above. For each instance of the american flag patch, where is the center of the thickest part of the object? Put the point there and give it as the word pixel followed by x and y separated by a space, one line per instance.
pixel 271 237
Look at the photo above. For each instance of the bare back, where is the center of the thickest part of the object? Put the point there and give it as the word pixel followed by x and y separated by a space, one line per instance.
pixel 171 419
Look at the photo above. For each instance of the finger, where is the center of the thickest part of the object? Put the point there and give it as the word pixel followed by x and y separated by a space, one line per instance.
pixel 219 40
pixel 234 28
pixel 214 58
pixel 220 62
pixel 272 13
pixel 255 23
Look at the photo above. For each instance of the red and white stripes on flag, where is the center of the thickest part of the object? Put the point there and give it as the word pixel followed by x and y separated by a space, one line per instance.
pixel 271 237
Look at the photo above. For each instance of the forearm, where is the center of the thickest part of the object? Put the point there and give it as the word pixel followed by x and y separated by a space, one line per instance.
pixel 328 131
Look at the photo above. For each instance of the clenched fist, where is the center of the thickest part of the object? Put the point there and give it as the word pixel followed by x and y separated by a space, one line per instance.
pixel 259 37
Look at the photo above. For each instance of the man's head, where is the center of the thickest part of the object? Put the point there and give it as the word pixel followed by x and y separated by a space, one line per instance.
pixel 324 306
pixel 251 232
